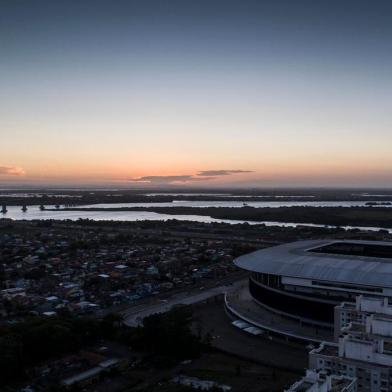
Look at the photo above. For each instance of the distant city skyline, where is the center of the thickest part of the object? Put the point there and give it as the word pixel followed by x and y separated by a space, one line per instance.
pixel 210 93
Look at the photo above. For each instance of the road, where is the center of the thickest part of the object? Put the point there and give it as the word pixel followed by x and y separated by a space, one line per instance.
pixel 134 316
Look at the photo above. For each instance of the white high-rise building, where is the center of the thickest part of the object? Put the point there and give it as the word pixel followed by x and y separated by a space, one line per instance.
pixel 321 381
pixel 348 312
pixel 362 351
pixel 364 346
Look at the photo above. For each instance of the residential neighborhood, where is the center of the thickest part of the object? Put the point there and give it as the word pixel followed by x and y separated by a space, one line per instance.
pixel 46 272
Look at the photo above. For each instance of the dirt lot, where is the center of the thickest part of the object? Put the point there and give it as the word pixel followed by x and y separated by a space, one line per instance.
pixel 275 353
pixel 244 362
pixel 225 369
pixel 241 375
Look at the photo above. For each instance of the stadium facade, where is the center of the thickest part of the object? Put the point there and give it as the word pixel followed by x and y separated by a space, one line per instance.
pixel 305 280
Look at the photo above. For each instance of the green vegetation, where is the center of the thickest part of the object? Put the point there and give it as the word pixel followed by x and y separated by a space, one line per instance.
pixel 167 337
pixel 26 344
pixel 164 339
pixel 336 216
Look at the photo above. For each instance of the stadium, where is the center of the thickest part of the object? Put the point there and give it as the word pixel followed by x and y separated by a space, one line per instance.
pixel 305 280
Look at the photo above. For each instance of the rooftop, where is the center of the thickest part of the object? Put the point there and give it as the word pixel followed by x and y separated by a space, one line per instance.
pixel 320 381
pixel 367 263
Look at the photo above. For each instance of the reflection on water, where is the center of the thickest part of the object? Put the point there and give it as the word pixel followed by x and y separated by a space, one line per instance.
pixel 231 195
pixel 29 195
pixel 189 194
pixel 16 213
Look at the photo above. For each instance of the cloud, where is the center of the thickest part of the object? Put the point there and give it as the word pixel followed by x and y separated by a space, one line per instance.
pixel 204 175
pixel 202 178
pixel 169 179
pixel 11 171
pixel 184 177
pixel 222 172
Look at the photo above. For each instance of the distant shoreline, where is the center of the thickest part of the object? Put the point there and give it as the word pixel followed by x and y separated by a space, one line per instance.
pixel 79 198
pixel 334 216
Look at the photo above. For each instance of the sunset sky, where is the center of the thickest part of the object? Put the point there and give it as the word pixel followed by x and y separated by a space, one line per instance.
pixel 203 93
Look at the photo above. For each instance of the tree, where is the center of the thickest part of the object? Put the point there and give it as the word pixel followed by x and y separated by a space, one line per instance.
pixel 110 324
pixel 11 359
pixel 169 334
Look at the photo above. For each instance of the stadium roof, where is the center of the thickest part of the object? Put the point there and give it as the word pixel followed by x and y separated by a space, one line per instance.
pixel 324 260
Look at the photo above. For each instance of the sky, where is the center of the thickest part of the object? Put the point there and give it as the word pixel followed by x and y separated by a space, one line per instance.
pixel 197 93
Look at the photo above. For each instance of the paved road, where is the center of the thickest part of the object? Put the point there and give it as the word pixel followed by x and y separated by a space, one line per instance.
pixel 212 318
pixel 135 315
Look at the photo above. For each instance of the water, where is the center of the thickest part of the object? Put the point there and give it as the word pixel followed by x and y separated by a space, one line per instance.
pixel 28 195
pixel 230 195
pixel 371 194
pixel 15 212
pixel 188 194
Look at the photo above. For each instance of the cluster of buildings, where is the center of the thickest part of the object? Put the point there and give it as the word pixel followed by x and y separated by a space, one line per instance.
pixel 87 367
pixel 200 385
pixel 84 271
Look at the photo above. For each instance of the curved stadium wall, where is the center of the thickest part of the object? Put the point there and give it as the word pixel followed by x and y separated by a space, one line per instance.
pixel 292 305
pixel 305 280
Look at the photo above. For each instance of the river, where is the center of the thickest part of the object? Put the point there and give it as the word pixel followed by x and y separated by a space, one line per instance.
pixel 16 213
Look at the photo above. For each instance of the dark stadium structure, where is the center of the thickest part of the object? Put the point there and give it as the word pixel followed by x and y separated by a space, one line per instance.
pixel 305 280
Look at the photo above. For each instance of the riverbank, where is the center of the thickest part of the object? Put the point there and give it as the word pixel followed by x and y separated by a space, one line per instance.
pixel 80 197
pixel 333 216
